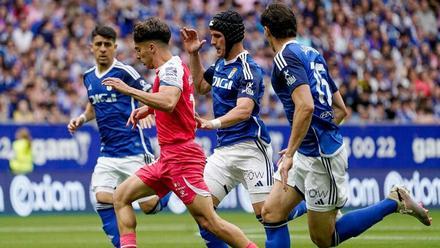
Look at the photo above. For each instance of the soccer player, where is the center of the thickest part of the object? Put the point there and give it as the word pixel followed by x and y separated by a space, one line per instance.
pixel 243 153
pixel 123 151
pixel 314 164
pixel 181 162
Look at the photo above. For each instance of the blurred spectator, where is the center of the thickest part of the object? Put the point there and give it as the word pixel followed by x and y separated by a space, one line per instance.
pixel 384 55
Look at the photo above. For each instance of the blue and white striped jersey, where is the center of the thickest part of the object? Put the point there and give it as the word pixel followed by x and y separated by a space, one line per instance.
pixel 112 109
pixel 230 80
pixel 294 65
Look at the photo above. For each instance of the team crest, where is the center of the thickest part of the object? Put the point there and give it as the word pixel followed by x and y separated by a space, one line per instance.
pixel 290 79
pixel 231 74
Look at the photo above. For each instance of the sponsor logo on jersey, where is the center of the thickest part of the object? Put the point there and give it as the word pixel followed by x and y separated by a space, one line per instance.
pixel 326 114
pixel 223 83
pixel 103 97
pixel 290 79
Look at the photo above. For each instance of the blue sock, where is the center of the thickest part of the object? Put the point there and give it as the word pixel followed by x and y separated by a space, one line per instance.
pixel 110 224
pixel 277 235
pixel 356 222
pixel 299 210
pixel 211 240
pixel 164 200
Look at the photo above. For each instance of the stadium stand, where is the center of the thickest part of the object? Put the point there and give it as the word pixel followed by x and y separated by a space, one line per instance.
pixel 384 55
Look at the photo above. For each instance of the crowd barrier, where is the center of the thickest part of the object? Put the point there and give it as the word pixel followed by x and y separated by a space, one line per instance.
pixel 379 157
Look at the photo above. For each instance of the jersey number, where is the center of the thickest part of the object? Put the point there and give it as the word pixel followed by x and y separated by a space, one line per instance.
pixel 322 85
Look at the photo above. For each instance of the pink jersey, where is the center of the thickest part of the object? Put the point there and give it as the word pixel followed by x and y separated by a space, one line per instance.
pixel 180 125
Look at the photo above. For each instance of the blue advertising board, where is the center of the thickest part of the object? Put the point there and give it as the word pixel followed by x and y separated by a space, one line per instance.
pixel 379 157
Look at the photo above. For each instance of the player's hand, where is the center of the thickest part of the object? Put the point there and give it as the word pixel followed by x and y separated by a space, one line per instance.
pixel 147 122
pixel 284 165
pixel 190 39
pixel 74 124
pixel 136 115
pixel 203 123
pixel 117 84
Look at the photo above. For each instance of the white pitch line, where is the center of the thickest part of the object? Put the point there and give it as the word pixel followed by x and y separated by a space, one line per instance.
pixel 173 227
pixel 365 237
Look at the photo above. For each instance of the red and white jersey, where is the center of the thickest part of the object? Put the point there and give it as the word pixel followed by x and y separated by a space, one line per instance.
pixel 180 125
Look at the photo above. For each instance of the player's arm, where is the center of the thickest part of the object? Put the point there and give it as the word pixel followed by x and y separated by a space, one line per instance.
pixel 87 115
pixel 304 106
pixel 293 74
pixel 241 112
pixel 192 45
pixel 339 109
pixel 163 100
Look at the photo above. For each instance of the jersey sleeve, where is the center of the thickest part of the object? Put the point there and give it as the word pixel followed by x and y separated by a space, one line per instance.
pixel 291 71
pixel 250 81
pixel 135 80
pixel 171 75
pixel 209 74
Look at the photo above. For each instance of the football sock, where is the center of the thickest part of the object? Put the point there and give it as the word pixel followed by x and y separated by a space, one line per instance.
pixel 109 222
pixel 356 222
pixel 211 240
pixel 128 240
pixel 251 245
pixel 277 235
pixel 299 210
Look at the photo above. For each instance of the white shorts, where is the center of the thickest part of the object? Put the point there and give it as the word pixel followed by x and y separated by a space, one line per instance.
pixel 110 172
pixel 248 162
pixel 321 180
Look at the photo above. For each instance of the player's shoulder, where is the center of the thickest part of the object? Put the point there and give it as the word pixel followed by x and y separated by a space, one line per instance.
pixel 292 51
pixel 126 69
pixel 250 67
pixel 89 71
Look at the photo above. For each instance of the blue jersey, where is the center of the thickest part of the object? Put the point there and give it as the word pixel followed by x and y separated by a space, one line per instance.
pixel 230 80
pixel 294 65
pixel 112 110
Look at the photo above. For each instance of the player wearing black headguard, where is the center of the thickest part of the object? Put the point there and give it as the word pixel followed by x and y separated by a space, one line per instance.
pixel 243 154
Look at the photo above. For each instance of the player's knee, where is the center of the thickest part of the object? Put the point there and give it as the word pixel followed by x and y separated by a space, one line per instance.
pixel 320 240
pixel 269 215
pixel 150 206
pixel 209 223
pixel 119 199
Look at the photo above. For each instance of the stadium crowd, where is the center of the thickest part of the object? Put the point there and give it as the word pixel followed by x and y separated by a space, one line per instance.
pixel 384 55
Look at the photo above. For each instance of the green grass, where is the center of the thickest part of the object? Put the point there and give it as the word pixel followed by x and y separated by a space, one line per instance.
pixel 169 230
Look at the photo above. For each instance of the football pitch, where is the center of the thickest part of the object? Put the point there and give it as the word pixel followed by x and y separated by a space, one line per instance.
pixel 170 230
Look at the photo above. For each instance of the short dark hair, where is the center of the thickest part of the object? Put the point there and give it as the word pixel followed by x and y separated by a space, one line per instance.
pixel 152 29
pixel 104 31
pixel 280 20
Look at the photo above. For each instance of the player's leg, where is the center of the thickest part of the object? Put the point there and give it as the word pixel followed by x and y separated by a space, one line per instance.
pixel 280 203
pixel 358 221
pixel 219 181
pixel 104 181
pixel 130 190
pixel 202 210
pixel 258 176
pixel 128 166
pixel 275 214
pixel 146 182
pixel 329 188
